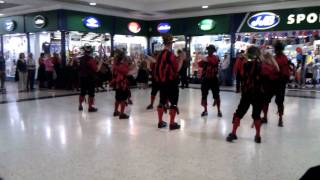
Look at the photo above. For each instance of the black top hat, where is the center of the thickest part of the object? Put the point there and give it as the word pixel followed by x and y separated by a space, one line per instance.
pixel 87 48
pixel 212 48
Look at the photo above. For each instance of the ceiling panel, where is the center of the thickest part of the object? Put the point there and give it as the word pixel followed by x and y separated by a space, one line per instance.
pixel 222 5
pixel 153 9
pixel 8 5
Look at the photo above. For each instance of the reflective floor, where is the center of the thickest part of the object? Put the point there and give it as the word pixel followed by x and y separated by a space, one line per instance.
pixel 50 140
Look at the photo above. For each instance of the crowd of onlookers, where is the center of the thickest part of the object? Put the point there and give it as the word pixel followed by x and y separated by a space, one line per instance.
pixel 51 72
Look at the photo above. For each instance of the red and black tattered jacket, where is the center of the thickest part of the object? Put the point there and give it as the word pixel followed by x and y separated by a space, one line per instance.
pixel 120 72
pixel 283 63
pixel 153 70
pixel 210 67
pixel 251 77
pixel 166 68
pixel 269 74
pixel 87 67
pixel 238 65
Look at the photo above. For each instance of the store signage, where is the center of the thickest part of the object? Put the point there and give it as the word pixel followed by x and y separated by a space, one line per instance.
pixel 207 24
pixel 164 27
pixel 134 27
pixel 39 21
pixel 91 22
pixel 310 18
pixel 10 25
pixel 263 21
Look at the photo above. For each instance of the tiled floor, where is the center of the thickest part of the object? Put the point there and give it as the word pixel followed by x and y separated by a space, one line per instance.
pixel 13 95
pixel 50 140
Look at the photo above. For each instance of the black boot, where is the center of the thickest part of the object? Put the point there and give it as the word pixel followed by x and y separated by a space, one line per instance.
pixel 280 123
pixel 123 116
pixel 231 137
pixel 257 139
pixel 162 124
pixel 93 109
pixel 150 107
pixel 264 120
pixel 204 113
pixel 174 126
pixel 80 108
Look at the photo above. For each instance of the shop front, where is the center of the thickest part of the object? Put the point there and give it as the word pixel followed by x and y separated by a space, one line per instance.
pixel 173 27
pixel 44 35
pixel 298 29
pixel 14 41
pixel 131 36
pixel 203 31
pixel 84 28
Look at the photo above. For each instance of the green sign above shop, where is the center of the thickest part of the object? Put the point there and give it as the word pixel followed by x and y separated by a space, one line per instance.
pixel 207 24
pixel 10 25
pixel 283 20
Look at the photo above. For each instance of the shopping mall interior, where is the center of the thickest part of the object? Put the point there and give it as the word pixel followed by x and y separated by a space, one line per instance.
pixel 159 89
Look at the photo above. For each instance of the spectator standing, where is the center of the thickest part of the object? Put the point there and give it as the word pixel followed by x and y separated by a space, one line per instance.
pixel 31 66
pixel 2 74
pixel 184 69
pixel 41 71
pixel 22 72
pixel 49 67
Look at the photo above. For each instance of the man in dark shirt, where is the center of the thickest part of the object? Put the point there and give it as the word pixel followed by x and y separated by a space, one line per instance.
pixel 87 73
pixel 2 74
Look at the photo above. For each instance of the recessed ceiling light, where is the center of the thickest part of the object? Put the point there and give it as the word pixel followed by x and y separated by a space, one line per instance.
pixel 205 7
pixel 93 4
pixel 1 2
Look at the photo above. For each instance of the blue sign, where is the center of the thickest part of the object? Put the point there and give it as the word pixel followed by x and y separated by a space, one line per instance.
pixel 164 27
pixel 10 25
pixel 91 22
pixel 263 21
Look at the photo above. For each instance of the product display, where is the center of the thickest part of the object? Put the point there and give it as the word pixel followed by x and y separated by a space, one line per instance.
pixel 134 45
pixel 100 42
pixel 14 44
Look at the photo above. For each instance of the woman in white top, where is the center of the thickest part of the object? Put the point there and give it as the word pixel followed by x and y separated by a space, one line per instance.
pixel 22 72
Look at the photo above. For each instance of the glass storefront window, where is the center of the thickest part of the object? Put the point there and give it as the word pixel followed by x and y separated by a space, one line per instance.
pixel 198 50
pixel 44 42
pixel 298 44
pixel 156 43
pixel 14 44
pixel 100 42
pixel 134 45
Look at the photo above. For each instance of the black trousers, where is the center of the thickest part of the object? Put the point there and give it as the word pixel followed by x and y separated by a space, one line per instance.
pixel 30 81
pixel 155 88
pixel 213 85
pixel 169 91
pixel 49 75
pixel 184 79
pixel 122 94
pixel 248 99
pixel 87 86
pixel 280 92
pixel 238 81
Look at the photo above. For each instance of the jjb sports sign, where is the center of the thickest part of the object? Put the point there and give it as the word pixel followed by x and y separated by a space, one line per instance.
pixel 264 20
pixel 281 20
